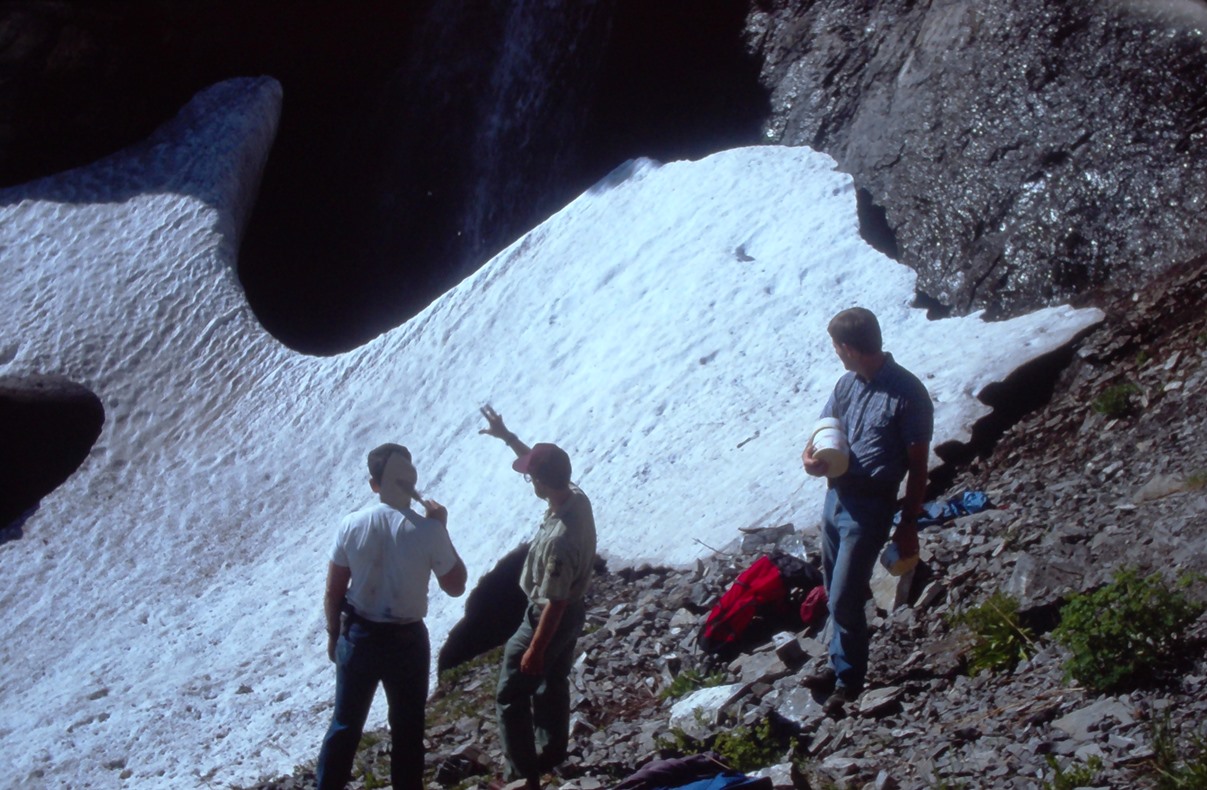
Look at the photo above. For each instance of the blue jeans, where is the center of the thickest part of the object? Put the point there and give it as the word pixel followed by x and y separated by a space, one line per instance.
pixel 854 529
pixel 534 711
pixel 399 657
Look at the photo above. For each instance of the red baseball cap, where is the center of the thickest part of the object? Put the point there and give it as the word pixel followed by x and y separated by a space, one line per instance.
pixel 546 462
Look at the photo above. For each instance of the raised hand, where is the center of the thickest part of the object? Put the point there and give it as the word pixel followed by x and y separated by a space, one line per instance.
pixel 495 426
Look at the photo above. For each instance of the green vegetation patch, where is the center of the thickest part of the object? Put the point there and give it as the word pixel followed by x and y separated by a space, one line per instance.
pixel 1000 640
pixel 1172 768
pixel 1072 776
pixel 1117 401
pixel 1125 630
pixel 688 681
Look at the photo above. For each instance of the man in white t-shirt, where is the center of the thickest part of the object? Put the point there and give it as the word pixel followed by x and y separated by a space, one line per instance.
pixel 377 579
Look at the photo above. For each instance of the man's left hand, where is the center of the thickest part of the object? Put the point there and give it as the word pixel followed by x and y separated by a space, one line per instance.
pixel 906 536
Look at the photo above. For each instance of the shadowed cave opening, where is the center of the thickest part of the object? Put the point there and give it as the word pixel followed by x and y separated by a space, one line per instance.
pixel 874 226
pixel 48 425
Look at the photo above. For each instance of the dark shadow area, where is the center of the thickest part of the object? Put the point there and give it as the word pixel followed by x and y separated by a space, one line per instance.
pixel 466 147
pixel 1028 388
pixel 84 80
pixel 935 310
pixel 47 428
pixel 493 611
pixel 1042 619
pixel 416 139
pixel 873 225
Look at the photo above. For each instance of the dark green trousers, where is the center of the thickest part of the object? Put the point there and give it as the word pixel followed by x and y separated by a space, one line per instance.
pixel 534 711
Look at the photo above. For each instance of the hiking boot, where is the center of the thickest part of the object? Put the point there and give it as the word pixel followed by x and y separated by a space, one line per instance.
pixel 821 680
pixel 836 706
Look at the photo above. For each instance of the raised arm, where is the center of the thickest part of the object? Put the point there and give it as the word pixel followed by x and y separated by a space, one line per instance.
pixel 452 582
pixel 497 429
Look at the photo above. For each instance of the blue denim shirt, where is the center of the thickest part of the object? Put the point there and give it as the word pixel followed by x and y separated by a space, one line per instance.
pixel 882 417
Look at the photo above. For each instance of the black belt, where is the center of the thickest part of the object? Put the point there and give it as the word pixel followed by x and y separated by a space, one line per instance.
pixel 353 617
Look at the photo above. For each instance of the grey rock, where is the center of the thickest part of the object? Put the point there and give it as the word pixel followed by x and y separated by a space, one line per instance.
pixel 1083 722
pixel 798 707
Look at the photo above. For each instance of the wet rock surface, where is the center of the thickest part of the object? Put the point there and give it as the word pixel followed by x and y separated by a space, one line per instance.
pixel 1079 494
pixel 1021 152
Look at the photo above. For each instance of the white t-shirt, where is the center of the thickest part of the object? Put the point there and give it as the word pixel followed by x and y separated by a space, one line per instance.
pixel 391 554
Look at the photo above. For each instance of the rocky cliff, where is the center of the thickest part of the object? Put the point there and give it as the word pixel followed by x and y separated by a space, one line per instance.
pixel 1022 152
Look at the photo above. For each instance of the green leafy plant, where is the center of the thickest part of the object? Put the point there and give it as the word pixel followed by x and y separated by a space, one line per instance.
pixel 1125 628
pixel 676 742
pixel 743 748
pixel 688 681
pixel 750 748
pixel 1173 770
pixel 1074 775
pixel 1117 400
pixel 1000 640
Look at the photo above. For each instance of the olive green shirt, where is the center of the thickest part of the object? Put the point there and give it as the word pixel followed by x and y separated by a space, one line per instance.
pixel 562 555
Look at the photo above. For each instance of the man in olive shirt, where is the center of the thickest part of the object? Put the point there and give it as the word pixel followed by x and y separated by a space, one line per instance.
pixel 533 695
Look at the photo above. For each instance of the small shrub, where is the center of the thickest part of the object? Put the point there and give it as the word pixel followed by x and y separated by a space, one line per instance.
pixel 1000 640
pixel 676 742
pixel 688 681
pixel 1117 401
pixel 742 748
pixel 750 748
pixel 1173 770
pixel 450 702
pixel 1196 480
pixel 1126 628
pixel 454 675
pixel 1075 776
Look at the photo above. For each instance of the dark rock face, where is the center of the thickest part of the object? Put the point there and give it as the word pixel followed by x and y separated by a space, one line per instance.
pixel 47 427
pixel 1024 152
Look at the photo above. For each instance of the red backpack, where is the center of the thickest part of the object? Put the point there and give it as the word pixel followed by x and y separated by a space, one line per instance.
pixel 760 589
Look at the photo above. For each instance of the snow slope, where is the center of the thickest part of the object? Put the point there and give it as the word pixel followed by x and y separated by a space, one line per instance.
pixel 163 622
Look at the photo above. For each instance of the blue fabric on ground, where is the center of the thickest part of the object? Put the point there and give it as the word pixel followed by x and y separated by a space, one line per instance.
pixel 940 511
pixel 731 780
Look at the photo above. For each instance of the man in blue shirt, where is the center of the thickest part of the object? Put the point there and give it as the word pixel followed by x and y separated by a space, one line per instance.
pixel 889 421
